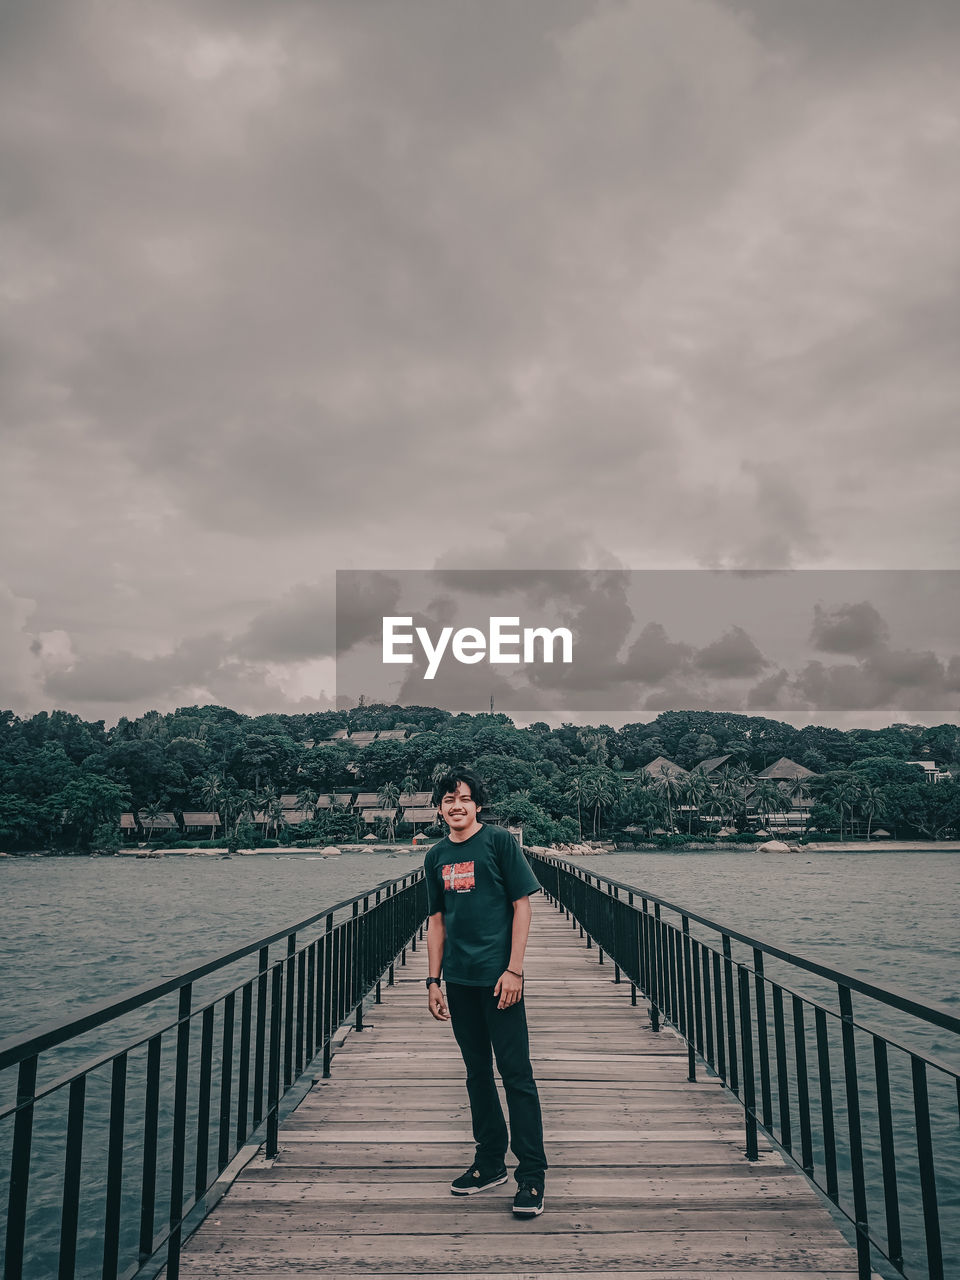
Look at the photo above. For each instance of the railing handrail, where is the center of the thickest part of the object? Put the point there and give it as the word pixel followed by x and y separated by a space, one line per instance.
pixel 930 1012
pixel 47 1035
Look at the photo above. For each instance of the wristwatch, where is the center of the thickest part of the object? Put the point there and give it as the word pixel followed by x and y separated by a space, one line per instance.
pixel 431 981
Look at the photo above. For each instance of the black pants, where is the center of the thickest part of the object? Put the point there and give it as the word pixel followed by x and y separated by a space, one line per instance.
pixel 480 1027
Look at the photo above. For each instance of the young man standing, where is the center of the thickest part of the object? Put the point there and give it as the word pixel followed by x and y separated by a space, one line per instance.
pixel 478 898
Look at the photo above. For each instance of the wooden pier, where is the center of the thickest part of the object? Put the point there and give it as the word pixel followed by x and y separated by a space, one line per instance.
pixel 647 1173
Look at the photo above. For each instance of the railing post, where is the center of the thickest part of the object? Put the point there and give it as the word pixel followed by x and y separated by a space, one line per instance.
pixel 763 1043
pixel 928 1182
pixel 260 1041
pixel 378 997
pixel 688 1004
pixel 273 1079
pixel 288 1013
pixel 70 1214
pixel 854 1131
pixel 179 1132
pixel 20 1168
pixel 356 985
pixel 656 977
pixel 746 1049
pixel 327 995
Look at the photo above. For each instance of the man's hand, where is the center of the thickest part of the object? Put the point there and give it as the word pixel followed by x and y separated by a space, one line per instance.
pixel 509 988
pixel 436 1003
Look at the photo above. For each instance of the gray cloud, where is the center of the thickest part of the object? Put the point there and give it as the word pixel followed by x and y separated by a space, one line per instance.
pixel 653 656
pixel 733 656
pixel 301 624
pixel 473 285
pixel 851 628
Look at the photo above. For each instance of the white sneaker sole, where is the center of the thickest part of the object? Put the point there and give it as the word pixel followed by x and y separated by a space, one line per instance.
pixel 529 1213
pixel 472 1191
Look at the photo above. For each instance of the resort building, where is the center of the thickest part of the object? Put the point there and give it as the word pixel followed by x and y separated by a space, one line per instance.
pixel 931 770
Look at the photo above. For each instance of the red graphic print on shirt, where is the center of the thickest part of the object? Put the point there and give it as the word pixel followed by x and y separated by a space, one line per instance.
pixel 458 876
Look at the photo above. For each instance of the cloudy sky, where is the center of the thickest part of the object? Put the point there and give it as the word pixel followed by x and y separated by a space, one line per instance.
pixel 311 285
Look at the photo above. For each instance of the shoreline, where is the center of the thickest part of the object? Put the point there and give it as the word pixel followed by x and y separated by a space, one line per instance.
pixel 830 846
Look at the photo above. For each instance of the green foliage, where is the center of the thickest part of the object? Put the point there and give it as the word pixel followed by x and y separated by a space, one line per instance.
pixel 64 782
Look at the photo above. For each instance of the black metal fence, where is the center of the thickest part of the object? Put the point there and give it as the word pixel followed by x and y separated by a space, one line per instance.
pixel 133 1137
pixel 869 1113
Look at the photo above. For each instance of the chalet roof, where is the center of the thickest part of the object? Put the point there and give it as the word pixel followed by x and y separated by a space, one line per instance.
pixel 193 818
pixel 164 822
pixel 416 799
pixel 288 801
pixel 392 735
pixel 362 738
pixel 367 798
pixel 127 822
pixel 343 797
pixel 371 815
pixel 324 801
pixel 708 766
pixel 293 817
pixel 414 814
pixel 667 766
pixel 785 768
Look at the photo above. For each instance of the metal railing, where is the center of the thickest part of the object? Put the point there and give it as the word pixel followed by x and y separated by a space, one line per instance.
pixel 143 1132
pixel 871 1120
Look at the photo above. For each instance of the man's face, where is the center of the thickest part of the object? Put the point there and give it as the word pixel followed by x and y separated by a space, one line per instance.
pixel 459 809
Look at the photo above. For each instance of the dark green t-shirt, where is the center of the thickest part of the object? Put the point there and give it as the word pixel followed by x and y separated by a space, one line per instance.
pixel 475 883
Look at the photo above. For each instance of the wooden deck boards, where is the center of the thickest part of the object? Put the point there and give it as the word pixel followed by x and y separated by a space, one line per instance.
pixel 647 1174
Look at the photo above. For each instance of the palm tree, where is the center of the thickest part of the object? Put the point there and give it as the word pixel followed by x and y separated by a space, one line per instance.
pixel 212 790
pixel 695 790
pixel 151 812
pixel 245 804
pixel 872 803
pixel 387 798
pixel 797 791
pixel 766 796
pixel 715 804
pixel 577 790
pixel 727 792
pixel 667 785
pixel 272 813
pixel 844 793
pixel 308 802
pixel 601 787
pixel 266 802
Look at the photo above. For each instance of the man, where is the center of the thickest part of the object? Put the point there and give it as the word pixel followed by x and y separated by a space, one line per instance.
pixel 478 898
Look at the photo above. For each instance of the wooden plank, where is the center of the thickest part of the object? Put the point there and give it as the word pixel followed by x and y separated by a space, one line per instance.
pixel 608 1187
pixel 393 1134
pixel 505 1249
pixel 627 1155
pixel 451 1214
pixel 225 1271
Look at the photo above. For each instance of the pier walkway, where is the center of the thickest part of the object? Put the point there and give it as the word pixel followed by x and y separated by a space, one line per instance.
pixel 647 1173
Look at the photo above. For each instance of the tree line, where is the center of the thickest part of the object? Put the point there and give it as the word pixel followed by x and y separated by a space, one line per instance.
pixel 64 781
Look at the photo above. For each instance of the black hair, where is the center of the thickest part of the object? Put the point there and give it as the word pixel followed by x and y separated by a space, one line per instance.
pixel 450 781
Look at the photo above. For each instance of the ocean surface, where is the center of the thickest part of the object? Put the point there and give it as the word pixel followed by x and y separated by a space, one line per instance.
pixel 78 930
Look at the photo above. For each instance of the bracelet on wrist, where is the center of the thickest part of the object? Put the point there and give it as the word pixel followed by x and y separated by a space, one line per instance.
pixel 515 974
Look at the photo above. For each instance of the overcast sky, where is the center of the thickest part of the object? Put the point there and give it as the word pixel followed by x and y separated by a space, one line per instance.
pixel 308 285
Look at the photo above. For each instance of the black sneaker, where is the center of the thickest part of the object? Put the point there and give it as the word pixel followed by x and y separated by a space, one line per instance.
pixel 474 1180
pixel 528 1202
